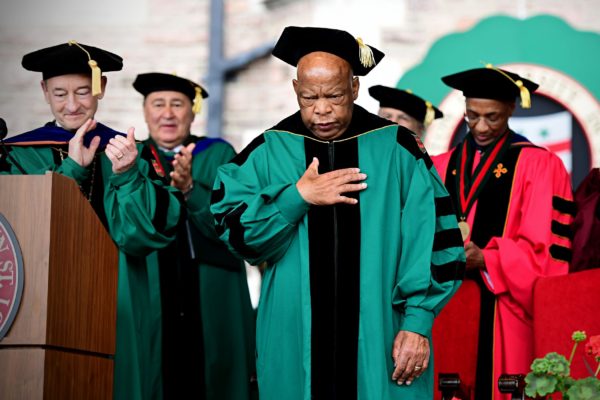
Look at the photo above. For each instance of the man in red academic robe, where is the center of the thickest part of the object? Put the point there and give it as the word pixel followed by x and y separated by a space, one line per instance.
pixel 514 206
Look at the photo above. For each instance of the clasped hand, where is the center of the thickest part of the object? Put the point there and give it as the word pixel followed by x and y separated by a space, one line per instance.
pixel 475 258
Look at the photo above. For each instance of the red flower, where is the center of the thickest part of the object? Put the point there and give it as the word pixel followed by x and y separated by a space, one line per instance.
pixel 593 346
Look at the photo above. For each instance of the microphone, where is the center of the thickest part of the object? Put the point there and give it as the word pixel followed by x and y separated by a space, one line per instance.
pixel 3 133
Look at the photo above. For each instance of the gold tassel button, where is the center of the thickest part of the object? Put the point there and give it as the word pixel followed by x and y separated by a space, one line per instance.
pixel 365 54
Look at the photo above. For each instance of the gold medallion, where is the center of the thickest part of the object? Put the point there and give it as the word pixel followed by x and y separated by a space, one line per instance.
pixel 465 229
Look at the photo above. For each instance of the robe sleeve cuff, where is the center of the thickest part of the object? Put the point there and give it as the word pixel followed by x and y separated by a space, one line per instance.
pixel 126 182
pixel 291 204
pixel 73 170
pixel 493 278
pixel 418 320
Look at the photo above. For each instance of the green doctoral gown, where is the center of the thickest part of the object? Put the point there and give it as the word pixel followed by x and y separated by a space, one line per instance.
pixel 208 320
pixel 141 215
pixel 341 280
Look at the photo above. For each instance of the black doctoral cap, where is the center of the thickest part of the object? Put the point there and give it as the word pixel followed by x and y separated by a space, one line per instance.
pixel 404 100
pixel 158 81
pixel 492 83
pixel 73 58
pixel 296 42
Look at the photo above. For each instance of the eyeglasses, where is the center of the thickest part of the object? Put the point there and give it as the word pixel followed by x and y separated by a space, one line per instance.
pixel 494 120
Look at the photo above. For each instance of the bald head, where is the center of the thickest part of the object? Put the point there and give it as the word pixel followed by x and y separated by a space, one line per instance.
pixel 320 62
pixel 326 90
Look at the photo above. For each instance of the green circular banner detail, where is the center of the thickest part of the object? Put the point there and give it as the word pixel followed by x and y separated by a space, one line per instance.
pixel 543 40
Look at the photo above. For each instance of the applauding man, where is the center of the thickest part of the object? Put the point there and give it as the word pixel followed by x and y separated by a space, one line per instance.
pixel 117 177
pixel 208 321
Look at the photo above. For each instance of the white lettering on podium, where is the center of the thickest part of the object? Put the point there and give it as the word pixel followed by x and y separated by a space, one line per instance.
pixel 7 273
pixel 3 246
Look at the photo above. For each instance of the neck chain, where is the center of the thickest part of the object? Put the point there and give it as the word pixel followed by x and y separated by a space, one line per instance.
pixel 91 189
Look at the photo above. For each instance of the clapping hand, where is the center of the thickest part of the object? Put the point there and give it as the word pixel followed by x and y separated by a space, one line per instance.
pixel 181 176
pixel 122 152
pixel 77 151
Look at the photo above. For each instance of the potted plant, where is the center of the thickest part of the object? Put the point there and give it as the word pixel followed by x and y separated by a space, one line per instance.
pixel 551 374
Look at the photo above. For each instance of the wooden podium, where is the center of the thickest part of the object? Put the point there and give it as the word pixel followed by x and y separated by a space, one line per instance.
pixel 62 341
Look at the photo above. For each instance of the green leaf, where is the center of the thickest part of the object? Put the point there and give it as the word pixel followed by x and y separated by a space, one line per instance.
pixel 540 366
pixel 557 364
pixel 585 389
pixel 540 385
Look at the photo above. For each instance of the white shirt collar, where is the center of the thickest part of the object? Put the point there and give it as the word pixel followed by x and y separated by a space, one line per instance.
pixel 176 149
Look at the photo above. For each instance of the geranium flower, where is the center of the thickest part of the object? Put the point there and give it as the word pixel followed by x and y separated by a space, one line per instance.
pixel 593 347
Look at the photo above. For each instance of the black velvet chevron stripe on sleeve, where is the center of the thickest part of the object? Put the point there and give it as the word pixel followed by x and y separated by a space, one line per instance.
pixel 217 194
pixel 561 253
pixel 446 239
pixel 564 206
pixel 163 198
pixel 452 271
pixel 444 206
pixel 562 230
pixel 236 232
pixel 443 268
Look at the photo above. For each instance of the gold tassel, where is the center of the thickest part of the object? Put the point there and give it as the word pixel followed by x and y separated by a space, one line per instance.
pixel 96 78
pixel 524 92
pixel 197 100
pixel 365 54
pixel 429 114
pixel 96 71
pixel 525 96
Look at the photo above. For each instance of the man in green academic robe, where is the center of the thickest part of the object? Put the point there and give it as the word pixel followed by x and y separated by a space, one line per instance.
pixel 116 175
pixel 357 231
pixel 208 320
